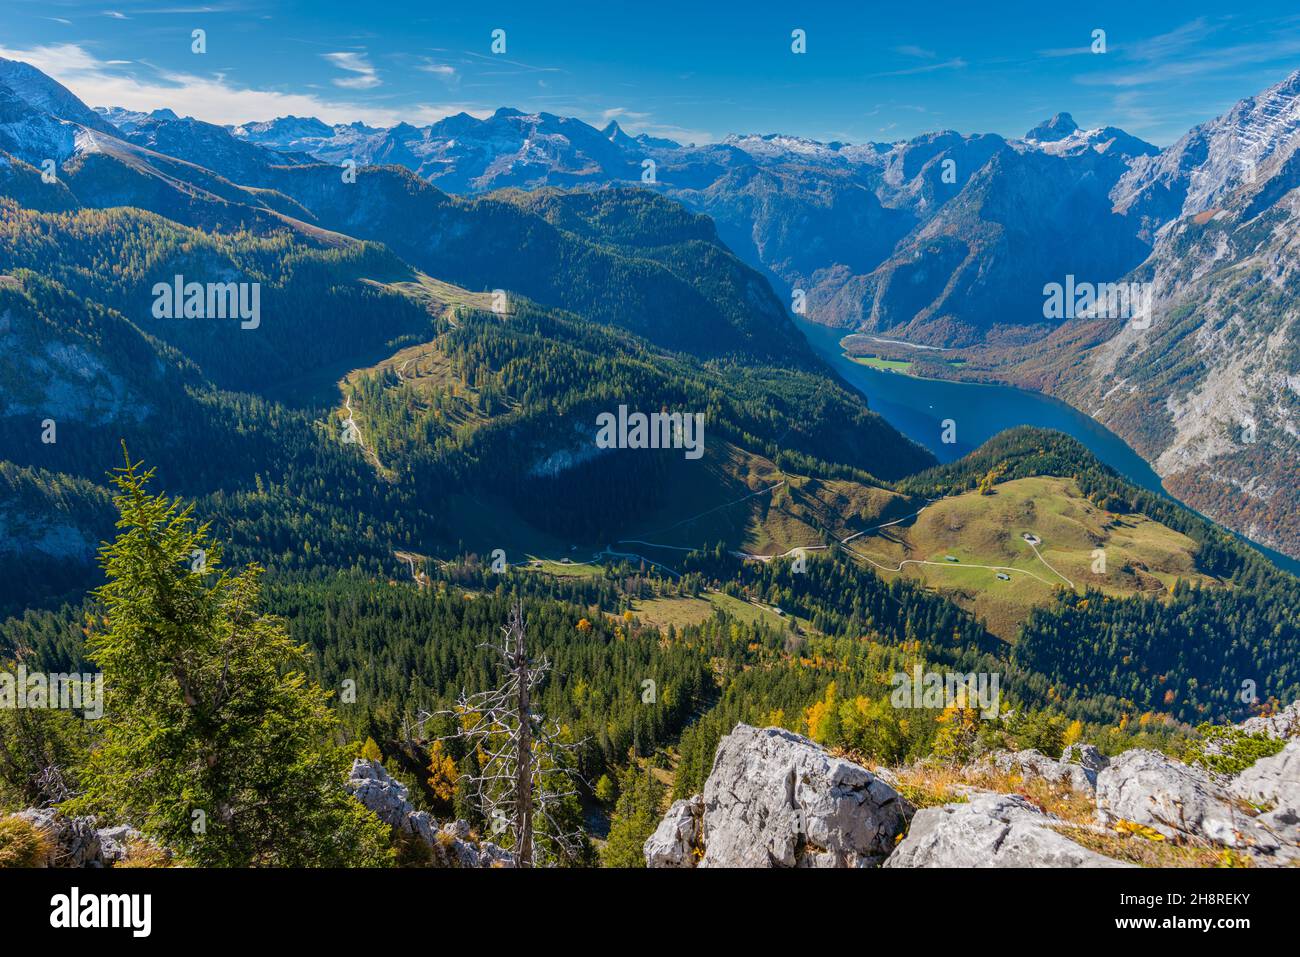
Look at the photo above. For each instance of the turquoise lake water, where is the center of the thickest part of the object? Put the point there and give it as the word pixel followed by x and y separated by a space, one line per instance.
pixel 918 408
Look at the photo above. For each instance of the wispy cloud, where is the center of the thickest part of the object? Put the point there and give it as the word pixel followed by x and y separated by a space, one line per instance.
pixel 885 107
pixel 908 49
pixel 1201 59
pixel 444 71
pixel 1174 43
pixel 1064 51
pixel 366 78
pixel 214 99
pixel 515 65
pixel 1183 53
pixel 956 63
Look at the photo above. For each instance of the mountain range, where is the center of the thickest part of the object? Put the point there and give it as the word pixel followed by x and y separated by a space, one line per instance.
pixel 948 240
pixel 373 391
pixel 350 272
pixel 945 240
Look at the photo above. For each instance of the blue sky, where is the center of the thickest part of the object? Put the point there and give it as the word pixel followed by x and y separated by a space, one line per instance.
pixel 694 71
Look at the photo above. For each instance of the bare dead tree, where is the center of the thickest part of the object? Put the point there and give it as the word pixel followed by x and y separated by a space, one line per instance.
pixel 522 756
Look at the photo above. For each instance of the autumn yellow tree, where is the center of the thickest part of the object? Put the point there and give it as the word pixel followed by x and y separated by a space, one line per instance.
pixel 442 773
pixel 823 719
pixel 958 727
pixel 1074 732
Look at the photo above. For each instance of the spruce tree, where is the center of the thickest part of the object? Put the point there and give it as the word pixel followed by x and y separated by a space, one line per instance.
pixel 213 741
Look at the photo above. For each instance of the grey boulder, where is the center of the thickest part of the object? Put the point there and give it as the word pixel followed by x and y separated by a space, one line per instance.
pixel 1034 764
pixel 115 842
pixel 1085 756
pixel 676 839
pixel 1179 801
pixel 776 799
pixel 1273 784
pixel 991 830
pixel 372 785
pixel 75 839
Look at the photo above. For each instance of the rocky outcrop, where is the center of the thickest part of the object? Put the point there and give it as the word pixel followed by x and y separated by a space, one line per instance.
pixel 456 839
pixel 78 842
pixel 1272 781
pixel 775 799
pixel 676 841
pixel 1273 784
pixel 1182 803
pixel 372 785
pixel 1283 724
pixel 449 846
pixel 116 843
pixel 991 830
pixel 1079 773
pixel 1085 756
pixel 75 840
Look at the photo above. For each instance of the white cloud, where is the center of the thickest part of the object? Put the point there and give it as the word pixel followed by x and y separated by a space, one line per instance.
pixel 443 70
pixel 623 115
pixel 1181 55
pixel 366 78
pixel 211 98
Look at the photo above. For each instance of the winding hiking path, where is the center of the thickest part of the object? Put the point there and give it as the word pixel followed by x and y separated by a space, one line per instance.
pixel 1034 546
pixel 351 428
pixel 918 561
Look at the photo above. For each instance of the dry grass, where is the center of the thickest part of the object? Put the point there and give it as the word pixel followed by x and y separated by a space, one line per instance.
pixel 145 854
pixel 930 785
pixel 23 844
pixel 1131 844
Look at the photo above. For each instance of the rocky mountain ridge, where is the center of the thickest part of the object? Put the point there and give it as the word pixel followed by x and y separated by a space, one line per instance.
pixel 776 799
pixel 1208 390
pixel 780 199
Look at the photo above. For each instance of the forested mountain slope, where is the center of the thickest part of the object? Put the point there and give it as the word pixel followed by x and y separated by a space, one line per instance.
pixel 405 437
pixel 950 240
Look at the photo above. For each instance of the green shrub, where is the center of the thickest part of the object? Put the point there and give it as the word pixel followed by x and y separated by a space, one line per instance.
pixel 1228 749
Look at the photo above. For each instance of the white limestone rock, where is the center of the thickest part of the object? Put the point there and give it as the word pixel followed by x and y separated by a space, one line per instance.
pixel 75 839
pixel 776 799
pixel 451 845
pixel 1035 764
pixel 1179 801
pixel 991 830
pixel 676 839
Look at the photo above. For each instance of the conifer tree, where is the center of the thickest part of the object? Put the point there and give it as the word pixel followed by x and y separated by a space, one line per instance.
pixel 213 741
pixel 636 815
